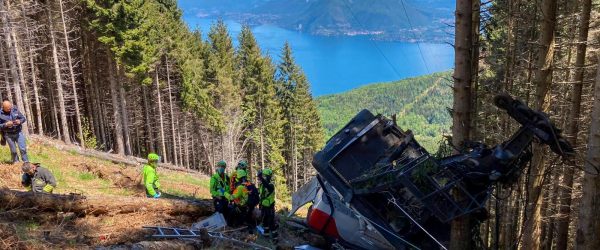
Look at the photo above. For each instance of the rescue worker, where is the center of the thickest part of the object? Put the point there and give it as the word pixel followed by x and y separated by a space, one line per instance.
pixel 242 164
pixel 266 190
pixel 242 212
pixel 150 177
pixel 11 123
pixel 37 178
pixel 219 189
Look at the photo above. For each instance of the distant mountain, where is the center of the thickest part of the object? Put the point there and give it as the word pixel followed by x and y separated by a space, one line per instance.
pixel 383 19
pixel 420 104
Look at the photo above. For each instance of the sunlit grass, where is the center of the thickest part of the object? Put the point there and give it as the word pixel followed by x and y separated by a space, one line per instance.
pixel 72 173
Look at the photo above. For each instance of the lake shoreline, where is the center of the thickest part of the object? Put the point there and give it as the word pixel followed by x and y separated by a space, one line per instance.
pixel 334 64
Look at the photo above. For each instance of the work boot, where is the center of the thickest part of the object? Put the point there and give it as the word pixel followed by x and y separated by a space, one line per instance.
pixel 274 236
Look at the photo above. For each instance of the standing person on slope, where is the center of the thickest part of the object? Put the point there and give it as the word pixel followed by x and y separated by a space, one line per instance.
pixel 243 165
pixel 242 212
pixel 11 121
pixel 220 191
pixel 266 191
pixel 150 177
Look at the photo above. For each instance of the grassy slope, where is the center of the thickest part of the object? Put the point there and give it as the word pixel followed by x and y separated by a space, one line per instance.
pixel 28 228
pixel 83 175
pixel 420 103
pixel 91 177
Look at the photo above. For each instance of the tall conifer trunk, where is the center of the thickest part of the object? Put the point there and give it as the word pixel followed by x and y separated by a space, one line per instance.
pixel 173 132
pixel 114 93
pixel 461 235
pixel 542 81
pixel 71 74
pixel 163 147
pixel 566 186
pixel 57 74
pixel 13 60
pixel 8 93
pixel 588 229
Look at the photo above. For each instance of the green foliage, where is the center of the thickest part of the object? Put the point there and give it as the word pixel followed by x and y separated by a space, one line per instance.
pixel 237 94
pixel 220 74
pixel 421 105
pixel 141 34
pixel 262 110
pixel 123 28
pixel 89 138
pixel 303 134
pixel 86 176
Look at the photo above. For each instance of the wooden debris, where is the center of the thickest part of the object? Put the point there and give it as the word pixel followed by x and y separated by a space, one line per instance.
pixel 114 158
pixel 11 199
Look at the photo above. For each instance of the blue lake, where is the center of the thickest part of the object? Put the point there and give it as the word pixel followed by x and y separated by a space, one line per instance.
pixel 337 64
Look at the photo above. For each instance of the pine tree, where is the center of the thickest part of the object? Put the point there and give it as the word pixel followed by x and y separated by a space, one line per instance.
pixel 589 222
pixel 461 233
pixel 302 125
pixel 262 110
pixel 221 78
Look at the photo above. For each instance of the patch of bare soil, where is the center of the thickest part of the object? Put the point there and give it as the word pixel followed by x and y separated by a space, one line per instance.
pixel 103 218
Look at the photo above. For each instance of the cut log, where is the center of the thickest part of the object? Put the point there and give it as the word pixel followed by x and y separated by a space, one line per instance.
pixel 157 245
pixel 12 199
pixel 114 158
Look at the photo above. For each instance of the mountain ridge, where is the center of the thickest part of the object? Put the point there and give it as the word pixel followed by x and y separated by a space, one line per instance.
pixel 420 104
pixel 382 20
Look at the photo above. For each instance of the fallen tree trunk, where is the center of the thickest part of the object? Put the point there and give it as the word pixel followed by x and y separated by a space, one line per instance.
pixel 79 204
pixel 114 158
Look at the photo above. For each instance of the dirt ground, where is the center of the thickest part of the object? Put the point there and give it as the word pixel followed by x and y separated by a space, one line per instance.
pixel 36 228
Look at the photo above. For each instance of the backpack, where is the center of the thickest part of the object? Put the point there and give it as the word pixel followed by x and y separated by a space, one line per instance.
pixel 253 197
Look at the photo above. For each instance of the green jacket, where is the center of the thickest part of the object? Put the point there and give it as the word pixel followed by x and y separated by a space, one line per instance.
pixel 218 183
pixel 266 192
pixel 150 179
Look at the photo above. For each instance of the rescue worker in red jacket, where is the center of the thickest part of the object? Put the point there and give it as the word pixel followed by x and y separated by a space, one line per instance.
pixel 245 198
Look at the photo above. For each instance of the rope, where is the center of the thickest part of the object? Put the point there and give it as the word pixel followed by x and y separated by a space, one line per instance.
pixel 372 42
pixel 393 201
pixel 414 34
pixel 392 233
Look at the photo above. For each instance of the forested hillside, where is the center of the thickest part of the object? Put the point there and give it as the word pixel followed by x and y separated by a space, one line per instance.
pixel 546 54
pixel 421 105
pixel 129 77
pixel 385 19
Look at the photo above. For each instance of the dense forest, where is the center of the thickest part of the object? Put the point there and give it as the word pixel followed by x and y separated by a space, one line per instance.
pixel 420 104
pixel 130 77
pixel 546 54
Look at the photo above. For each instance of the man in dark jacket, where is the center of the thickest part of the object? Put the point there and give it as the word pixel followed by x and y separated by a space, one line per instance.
pixel 37 179
pixel 11 121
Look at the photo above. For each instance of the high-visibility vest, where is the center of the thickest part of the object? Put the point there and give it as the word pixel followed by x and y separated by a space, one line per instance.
pixel 267 198
pixel 240 195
